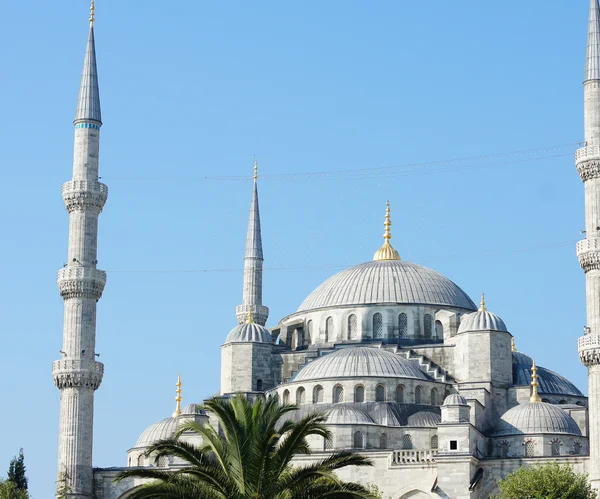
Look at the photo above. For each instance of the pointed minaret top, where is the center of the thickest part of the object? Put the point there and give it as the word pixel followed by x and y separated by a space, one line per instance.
pixel 534 385
pixel 88 104
pixel 592 65
pixel 482 304
pixel 387 252
pixel 254 237
pixel 178 397
pixel 255 169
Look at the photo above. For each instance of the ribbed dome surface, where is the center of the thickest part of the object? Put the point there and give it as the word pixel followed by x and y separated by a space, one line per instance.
pixel 347 415
pixel 249 332
pixel 387 281
pixel 359 362
pixel 385 415
pixel 455 399
pixel 424 419
pixel 192 409
pixel 161 430
pixel 549 381
pixel 481 321
pixel 536 417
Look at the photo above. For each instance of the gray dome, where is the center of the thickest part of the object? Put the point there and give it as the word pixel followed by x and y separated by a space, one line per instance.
pixel 455 399
pixel 249 332
pixel 192 409
pixel 161 430
pixel 385 415
pixel 387 281
pixel 481 321
pixel 536 417
pixel 549 382
pixel 359 362
pixel 424 419
pixel 347 415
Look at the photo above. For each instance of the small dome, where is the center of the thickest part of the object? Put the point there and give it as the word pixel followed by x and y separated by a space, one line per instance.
pixel 549 382
pixel 359 362
pixel 249 332
pixel 192 409
pixel 536 417
pixel 347 415
pixel 424 419
pixel 482 320
pixel 455 399
pixel 385 415
pixel 158 431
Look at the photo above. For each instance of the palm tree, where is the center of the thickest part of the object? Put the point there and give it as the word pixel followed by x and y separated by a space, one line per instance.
pixel 249 457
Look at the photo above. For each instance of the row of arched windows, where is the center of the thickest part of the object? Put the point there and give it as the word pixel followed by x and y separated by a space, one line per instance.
pixel 163 461
pixel 318 395
pixel 407 443
pixel 378 329
pixel 529 448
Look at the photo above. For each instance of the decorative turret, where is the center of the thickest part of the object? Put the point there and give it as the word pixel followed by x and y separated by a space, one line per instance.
pixel 253 265
pixel 81 284
pixel 178 399
pixel 387 252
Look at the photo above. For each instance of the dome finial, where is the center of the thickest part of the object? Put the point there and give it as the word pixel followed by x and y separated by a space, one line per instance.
pixel 250 319
pixel 255 169
pixel 92 13
pixel 512 345
pixel 387 252
pixel 178 397
pixel 482 304
pixel 534 385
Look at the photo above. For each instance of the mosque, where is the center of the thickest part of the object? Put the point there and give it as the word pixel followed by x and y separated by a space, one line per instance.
pixel 407 368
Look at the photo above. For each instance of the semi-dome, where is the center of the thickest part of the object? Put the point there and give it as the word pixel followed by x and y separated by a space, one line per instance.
pixel 455 399
pixel 387 281
pixel 160 430
pixel 536 417
pixel 347 415
pixel 249 332
pixel 549 382
pixel 385 415
pixel 424 419
pixel 359 362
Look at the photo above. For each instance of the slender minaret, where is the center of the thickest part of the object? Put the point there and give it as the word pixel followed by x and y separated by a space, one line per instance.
pixel 253 266
pixel 588 251
pixel 77 375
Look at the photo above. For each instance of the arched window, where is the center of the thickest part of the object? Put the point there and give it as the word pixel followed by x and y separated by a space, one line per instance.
pixel 338 394
pixel 417 324
pixel 329 329
pixel 563 402
pixel 407 442
pixel 529 449
pixel 259 385
pixel 403 325
pixel 383 441
pixel 352 327
pixel 418 395
pixel 318 394
pixel 577 448
pixel 555 447
pixel 358 440
pixel 546 401
pixel 380 393
pixel 400 394
pixel 359 394
pixel 286 397
pixel 434 442
pixel 504 449
pixel 439 330
pixel 140 460
pixel 490 448
pixel 428 325
pixel 300 396
pixel 377 326
pixel 434 397
pixel 329 443
pixel 309 332
pixel 163 462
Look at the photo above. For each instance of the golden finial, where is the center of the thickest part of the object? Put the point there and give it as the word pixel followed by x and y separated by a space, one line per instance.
pixel 534 385
pixel 250 319
pixel 387 252
pixel 92 13
pixel 482 304
pixel 178 397
pixel 255 169
pixel 512 345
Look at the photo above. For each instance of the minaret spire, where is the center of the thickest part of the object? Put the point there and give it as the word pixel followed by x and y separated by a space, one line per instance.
pixel 592 64
pixel 253 264
pixel 77 375
pixel 178 398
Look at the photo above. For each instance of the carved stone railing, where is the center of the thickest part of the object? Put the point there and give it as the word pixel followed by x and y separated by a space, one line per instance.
pixel 588 252
pixel 81 282
pixel 404 457
pixel 77 373
pixel 589 349
pixel 84 194
pixel 587 160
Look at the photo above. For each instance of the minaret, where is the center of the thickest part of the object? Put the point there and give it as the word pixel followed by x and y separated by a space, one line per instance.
pixel 253 265
pixel 77 375
pixel 588 251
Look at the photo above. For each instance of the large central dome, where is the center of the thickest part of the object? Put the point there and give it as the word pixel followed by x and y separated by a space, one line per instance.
pixel 387 281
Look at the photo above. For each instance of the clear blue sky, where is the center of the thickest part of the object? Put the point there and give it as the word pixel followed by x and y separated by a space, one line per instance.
pixel 195 89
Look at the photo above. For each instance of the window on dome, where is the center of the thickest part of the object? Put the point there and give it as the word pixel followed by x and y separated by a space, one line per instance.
pixel 378 326
pixel 504 449
pixel 555 447
pixel 417 325
pixel 328 443
pixel 352 327
pixel 418 395
pixel 163 462
pixel 318 394
pixel 546 400
pixel 380 393
pixel 286 397
pixel 358 440
pixel 439 330
pixel 428 325
pixel 434 397
pixel 329 329
pixel 359 394
pixel 563 402
pixel 577 448
pixel 434 442
pixel 400 394
pixel 383 441
pixel 309 332
pixel 403 325
pixel 300 396
pixel 338 394
pixel 529 448
pixel 407 442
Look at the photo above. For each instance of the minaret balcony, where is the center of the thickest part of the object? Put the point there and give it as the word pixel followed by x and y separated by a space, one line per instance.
pixel 69 373
pixel 81 282
pixel 589 349
pixel 587 160
pixel 84 195
pixel 588 252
